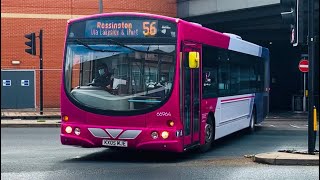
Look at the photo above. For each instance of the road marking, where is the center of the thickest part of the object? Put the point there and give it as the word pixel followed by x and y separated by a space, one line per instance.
pixel 295 126
pixel 272 125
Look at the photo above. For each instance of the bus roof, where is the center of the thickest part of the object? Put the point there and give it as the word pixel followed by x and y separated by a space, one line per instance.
pixel 225 40
pixel 137 14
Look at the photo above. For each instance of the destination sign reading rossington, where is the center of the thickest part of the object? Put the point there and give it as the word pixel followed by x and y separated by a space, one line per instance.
pixel 121 28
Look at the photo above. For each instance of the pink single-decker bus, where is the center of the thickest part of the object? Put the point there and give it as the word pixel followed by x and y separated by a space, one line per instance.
pixel 150 82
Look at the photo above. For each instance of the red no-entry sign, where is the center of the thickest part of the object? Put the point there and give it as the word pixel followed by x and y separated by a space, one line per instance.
pixel 304 65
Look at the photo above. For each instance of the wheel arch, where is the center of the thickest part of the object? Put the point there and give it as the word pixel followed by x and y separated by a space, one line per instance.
pixel 254 112
pixel 213 119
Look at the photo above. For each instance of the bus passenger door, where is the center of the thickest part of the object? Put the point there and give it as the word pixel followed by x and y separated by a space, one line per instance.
pixel 191 97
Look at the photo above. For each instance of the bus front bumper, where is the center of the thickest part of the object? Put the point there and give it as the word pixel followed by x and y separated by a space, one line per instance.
pixel 142 142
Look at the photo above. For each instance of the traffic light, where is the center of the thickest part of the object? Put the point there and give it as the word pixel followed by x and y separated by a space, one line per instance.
pixel 293 14
pixel 31 43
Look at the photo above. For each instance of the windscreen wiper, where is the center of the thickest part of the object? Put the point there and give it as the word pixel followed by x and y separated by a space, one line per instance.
pixel 93 49
pixel 133 49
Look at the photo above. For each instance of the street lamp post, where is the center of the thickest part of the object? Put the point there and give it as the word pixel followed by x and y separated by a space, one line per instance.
pixel 311 48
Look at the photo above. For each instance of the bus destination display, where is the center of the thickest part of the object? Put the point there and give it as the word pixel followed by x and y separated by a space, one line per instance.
pixel 128 29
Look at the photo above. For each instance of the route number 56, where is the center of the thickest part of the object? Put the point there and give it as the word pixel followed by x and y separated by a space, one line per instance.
pixel 149 28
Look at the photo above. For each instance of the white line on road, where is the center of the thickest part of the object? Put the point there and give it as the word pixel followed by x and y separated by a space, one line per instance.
pixel 296 126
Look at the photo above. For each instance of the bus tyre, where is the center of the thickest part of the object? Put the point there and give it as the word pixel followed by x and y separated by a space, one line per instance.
pixel 252 128
pixel 209 136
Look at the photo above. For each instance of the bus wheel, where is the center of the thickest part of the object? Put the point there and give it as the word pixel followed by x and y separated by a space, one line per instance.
pixel 209 133
pixel 252 128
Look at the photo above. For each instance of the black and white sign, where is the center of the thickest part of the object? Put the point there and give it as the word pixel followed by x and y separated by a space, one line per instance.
pixel 6 82
pixel 24 82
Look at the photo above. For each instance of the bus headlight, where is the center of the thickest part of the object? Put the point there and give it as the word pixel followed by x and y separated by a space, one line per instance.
pixel 165 134
pixel 154 135
pixel 68 129
pixel 77 131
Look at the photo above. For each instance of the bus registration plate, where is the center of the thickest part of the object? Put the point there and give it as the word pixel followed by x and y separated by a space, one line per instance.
pixel 117 143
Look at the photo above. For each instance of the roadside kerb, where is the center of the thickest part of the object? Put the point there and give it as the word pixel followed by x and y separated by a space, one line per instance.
pixel 283 158
pixel 30 123
pixel 286 119
pixel 29 115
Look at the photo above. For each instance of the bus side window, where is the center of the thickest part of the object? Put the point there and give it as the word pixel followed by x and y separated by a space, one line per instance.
pixel 209 72
pixel 209 82
pixel 224 79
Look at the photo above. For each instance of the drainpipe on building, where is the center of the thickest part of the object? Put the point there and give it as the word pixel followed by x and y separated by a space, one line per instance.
pixel 100 6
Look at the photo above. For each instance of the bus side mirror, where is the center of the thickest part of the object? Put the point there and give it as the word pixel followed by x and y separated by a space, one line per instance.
pixel 194 60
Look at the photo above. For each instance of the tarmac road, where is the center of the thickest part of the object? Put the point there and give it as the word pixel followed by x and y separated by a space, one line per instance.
pixel 36 153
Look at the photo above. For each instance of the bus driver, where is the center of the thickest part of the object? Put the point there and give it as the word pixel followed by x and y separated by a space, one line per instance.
pixel 104 79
